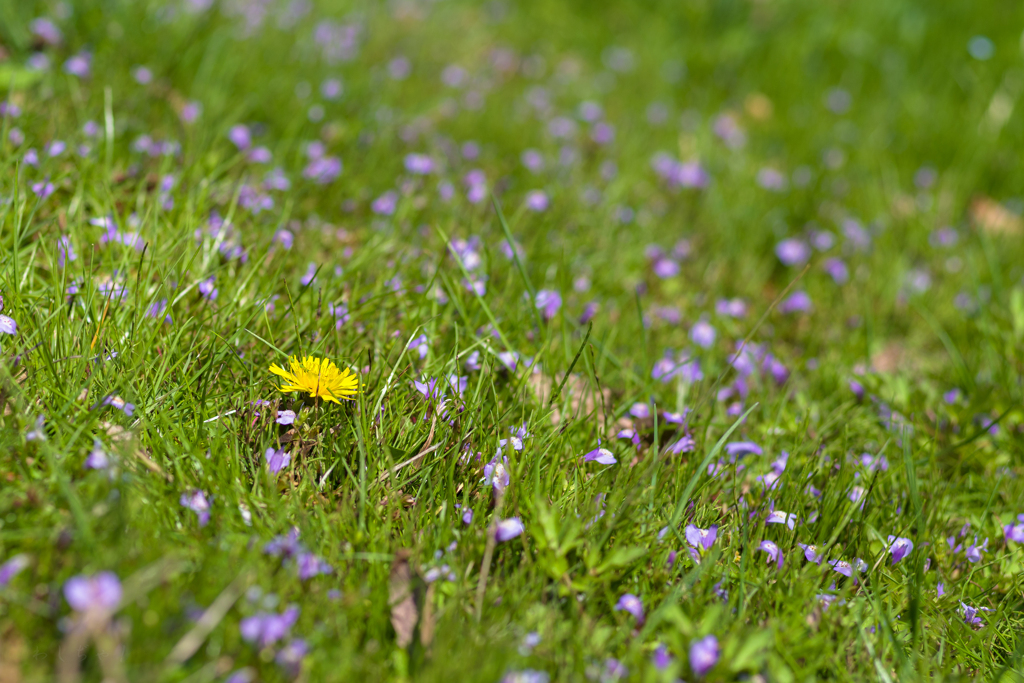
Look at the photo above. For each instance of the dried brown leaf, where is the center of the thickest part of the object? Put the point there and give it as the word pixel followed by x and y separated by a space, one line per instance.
pixel 12 653
pixel 991 217
pixel 404 614
pixel 892 357
pixel 583 400
pixel 427 622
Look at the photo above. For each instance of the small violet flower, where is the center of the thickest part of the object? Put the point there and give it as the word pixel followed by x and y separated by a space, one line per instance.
pixel 264 629
pixel 100 593
pixel 507 529
pixel 1015 532
pixel 774 552
pixel 811 553
pixel 119 403
pixel 602 456
pixel 632 604
pixel 197 502
pixel 899 548
pixel 780 517
pixel 700 540
pixel 548 302
pixel 12 567
pixel 703 655
pixel 496 474
pixel 277 460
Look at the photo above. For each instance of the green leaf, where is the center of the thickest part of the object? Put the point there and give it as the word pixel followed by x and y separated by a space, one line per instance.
pixel 1017 312
pixel 14 77
pixel 750 653
pixel 619 558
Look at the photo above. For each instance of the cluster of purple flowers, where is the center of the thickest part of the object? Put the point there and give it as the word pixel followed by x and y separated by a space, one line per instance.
pixel 292 551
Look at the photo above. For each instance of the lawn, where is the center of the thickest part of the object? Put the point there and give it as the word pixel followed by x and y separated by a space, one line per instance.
pixel 514 342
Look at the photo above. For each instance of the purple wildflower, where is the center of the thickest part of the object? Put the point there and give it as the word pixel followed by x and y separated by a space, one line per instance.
pixel 548 301
pixel 614 670
pixel 526 676
pixel 774 552
pixel 310 275
pixel 385 204
pixel 323 170
pixel 197 502
pixel 7 325
pixel 496 474
pixel 419 164
pixel 970 614
pixel 630 434
pixel 97 458
pixel 66 252
pixel 665 267
pixel 46 31
pixel 285 417
pixel 728 129
pixel 537 200
pixel 855 233
pixel 12 567
pixel 737 449
pixel 811 553
pixel 507 529
pixel 467 516
pixel 684 444
pixel 79 65
pixel 700 540
pixel 44 188
pixel 265 629
pixel 291 655
pixel 1015 532
pixel 207 288
pixel 899 548
pixel 38 433
pixel 632 604
pixel 703 655
pixel 100 593
pixel 309 565
pixel 772 179
pixel 420 345
pixel 142 75
pixel 277 460
pixel 285 546
pixel 731 308
pixel 119 403
pixel 428 390
pixel 240 136
pixel 532 160
pixel 661 659
pixel 793 252
pixel 797 302
pixel 843 567
pixel 780 517
pixel 331 89
pixel 857 388
pixel 689 174
pixel 837 270
pixel 602 456
pixel 973 551
pixel 641 411
pixel 703 334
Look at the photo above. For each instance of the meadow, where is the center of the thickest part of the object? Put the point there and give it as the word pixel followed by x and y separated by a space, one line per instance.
pixel 511 341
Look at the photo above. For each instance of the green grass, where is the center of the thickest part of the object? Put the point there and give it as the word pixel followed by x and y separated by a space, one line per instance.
pixel 915 320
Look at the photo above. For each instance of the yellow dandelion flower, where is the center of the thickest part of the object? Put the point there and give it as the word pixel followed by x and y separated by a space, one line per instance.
pixel 318 377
